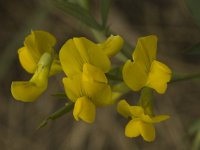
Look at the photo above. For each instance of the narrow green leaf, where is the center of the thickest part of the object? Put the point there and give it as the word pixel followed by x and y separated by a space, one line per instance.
pixel 182 77
pixel 79 13
pixel 105 5
pixel 60 112
pixel 83 3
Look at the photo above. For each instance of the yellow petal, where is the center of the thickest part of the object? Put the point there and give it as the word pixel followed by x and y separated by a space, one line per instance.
pixel 145 51
pixel 85 110
pixel 100 93
pixel 160 118
pixel 26 60
pixel 146 118
pixel 103 97
pixel 94 74
pixel 92 53
pixel 55 67
pixel 132 129
pixel 147 131
pixel 112 45
pixel 78 51
pixel 123 108
pixel 73 87
pixel 70 59
pixel 134 75
pixel 39 42
pixel 155 119
pixel 27 91
pixel 136 111
pixel 95 84
pixel 159 75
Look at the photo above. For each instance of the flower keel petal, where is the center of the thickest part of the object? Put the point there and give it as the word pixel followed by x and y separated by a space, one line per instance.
pixel 159 75
pixel 85 110
pixel 132 129
pixel 134 75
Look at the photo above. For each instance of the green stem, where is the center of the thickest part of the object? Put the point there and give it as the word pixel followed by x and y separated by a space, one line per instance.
pixel 101 36
pixel 98 35
pixel 178 78
pixel 119 90
pixel 60 112
pixel 146 100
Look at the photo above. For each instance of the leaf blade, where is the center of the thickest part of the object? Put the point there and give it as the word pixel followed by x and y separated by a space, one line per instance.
pixel 79 13
pixel 105 5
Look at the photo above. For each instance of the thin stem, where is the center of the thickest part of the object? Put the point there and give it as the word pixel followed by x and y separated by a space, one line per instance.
pixel 146 100
pixel 60 112
pixel 119 90
pixel 178 78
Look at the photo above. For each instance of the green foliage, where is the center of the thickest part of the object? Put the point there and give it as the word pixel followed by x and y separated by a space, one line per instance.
pixel 146 100
pixel 127 50
pixel 83 3
pixel 60 112
pixel 195 130
pixel 115 74
pixel 79 13
pixel 105 5
pixel 182 77
pixel 194 6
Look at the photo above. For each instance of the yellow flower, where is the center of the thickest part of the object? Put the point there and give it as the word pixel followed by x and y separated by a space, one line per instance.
pixel 35 45
pixel 145 70
pixel 29 91
pixel 85 63
pixel 88 90
pixel 140 123
pixel 78 51
pixel 112 45
pixel 38 58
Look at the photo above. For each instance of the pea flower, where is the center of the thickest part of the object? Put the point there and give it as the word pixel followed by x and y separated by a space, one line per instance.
pixel 88 90
pixel 145 70
pixel 78 51
pixel 112 45
pixel 37 57
pixel 85 63
pixel 140 123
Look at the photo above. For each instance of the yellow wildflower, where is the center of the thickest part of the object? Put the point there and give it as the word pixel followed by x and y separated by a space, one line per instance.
pixel 85 63
pixel 140 123
pixel 112 45
pixel 88 90
pixel 145 70
pixel 38 58
pixel 78 51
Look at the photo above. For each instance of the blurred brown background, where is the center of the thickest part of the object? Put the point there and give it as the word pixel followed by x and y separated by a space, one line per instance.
pixel 170 20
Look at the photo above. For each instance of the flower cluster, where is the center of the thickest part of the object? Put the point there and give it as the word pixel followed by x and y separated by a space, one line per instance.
pixel 141 123
pixel 85 65
pixel 37 57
